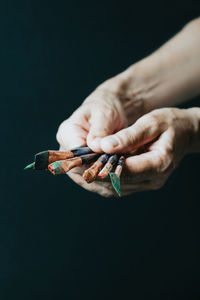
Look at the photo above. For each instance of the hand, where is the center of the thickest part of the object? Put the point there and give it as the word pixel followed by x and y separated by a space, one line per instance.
pixel 100 114
pixel 114 105
pixel 158 80
pixel 165 136
pixel 104 112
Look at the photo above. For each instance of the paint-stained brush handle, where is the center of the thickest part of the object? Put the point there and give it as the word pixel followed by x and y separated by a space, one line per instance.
pixel 90 174
pixel 43 159
pixel 108 166
pixel 64 166
pixel 115 176
pixel 119 166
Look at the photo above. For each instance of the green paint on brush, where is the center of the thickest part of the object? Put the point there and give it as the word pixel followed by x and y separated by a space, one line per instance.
pixel 31 166
pixel 115 182
pixel 109 169
pixel 57 166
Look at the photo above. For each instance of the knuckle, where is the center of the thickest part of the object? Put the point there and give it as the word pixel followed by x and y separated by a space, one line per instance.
pixel 58 138
pixel 163 162
pixel 64 128
pixel 153 121
pixel 60 132
pixel 125 137
pixel 169 150
pixel 102 111
pixel 160 163
pixel 150 119
pixel 147 125
pixel 108 112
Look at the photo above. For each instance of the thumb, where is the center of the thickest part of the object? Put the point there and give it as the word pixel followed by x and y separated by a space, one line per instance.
pixel 103 122
pixel 143 131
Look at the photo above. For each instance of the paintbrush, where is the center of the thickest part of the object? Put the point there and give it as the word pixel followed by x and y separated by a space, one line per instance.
pixel 108 166
pixel 90 174
pixel 63 166
pixel 115 176
pixel 44 158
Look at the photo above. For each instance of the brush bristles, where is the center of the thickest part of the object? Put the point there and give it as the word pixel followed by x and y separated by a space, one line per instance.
pixel 30 166
pixel 115 182
pixel 56 168
pixel 63 166
pixel 42 160
pixel 89 175
pixel 61 162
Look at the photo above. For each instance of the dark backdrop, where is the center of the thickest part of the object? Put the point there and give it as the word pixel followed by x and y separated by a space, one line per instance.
pixel 58 241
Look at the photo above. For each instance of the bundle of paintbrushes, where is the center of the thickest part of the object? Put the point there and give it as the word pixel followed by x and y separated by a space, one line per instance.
pixel 60 162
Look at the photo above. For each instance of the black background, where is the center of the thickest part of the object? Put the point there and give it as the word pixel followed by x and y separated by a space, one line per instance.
pixel 58 241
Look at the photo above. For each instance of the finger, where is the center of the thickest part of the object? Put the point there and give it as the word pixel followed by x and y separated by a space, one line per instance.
pixel 164 147
pixel 70 135
pixel 144 164
pixel 156 161
pixel 145 130
pixel 104 120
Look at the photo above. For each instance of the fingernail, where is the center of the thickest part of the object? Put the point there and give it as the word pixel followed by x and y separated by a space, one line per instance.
pixel 112 141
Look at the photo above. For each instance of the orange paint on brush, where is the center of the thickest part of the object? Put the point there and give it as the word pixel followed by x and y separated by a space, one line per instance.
pixel 108 167
pixel 63 166
pixel 90 174
pixel 44 158
pixel 62 155
pixel 119 166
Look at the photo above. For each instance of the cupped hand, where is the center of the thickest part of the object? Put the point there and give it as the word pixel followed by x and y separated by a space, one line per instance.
pixel 162 138
pixel 158 141
pixel 101 114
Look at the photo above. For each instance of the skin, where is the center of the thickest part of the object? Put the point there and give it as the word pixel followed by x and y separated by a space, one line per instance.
pixel 132 112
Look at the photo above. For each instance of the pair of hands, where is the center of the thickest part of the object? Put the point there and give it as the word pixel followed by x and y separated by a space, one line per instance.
pixel 156 140
pixel 122 116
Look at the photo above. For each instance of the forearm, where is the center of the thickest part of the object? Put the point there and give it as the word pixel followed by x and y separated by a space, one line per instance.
pixel 178 67
pixel 167 77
